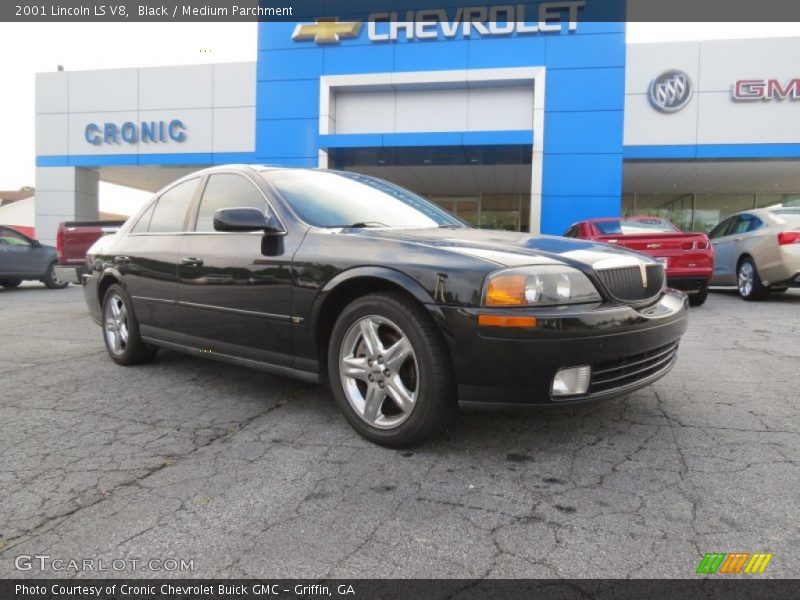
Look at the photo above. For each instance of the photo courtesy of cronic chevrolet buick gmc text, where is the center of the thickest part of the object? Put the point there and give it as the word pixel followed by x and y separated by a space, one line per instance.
pixel 405 310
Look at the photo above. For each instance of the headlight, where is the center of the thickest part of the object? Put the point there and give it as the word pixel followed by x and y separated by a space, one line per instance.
pixel 545 285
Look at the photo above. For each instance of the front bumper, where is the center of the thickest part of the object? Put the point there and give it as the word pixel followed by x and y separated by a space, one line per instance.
pixel 627 348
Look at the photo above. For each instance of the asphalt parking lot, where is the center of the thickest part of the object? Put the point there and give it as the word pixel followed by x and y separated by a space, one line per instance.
pixel 250 475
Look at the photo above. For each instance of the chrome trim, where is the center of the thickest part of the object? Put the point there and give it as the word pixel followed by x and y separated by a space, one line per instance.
pixel 235 311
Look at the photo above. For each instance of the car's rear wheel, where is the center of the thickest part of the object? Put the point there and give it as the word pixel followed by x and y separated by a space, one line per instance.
pixel 699 297
pixel 10 283
pixel 51 281
pixel 748 280
pixel 121 330
pixel 390 371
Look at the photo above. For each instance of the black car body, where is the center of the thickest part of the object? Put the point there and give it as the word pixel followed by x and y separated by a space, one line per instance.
pixel 23 258
pixel 273 297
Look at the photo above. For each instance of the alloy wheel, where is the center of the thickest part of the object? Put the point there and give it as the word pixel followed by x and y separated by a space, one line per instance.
pixel 379 372
pixel 746 278
pixel 116 324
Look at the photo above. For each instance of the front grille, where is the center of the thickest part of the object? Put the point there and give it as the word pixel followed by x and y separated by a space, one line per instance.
pixel 626 283
pixel 631 369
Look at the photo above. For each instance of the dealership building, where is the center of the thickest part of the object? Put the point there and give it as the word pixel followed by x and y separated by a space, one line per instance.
pixel 518 125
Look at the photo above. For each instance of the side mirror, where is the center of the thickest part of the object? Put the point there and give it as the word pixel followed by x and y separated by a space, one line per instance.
pixel 245 219
pixel 35 243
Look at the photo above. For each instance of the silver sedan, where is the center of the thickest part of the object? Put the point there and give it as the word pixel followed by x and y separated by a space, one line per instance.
pixel 758 251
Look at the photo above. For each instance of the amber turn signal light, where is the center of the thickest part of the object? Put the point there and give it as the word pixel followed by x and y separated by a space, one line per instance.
pixel 506 290
pixel 506 321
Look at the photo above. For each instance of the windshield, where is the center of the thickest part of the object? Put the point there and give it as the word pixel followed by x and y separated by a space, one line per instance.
pixel 635 226
pixel 338 199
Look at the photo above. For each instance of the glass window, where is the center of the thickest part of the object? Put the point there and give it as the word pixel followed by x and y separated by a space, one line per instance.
pixel 227 190
pixel 628 208
pixel 170 210
pixel 13 238
pixel 572 232
pixel 764 200
pixel 144 221
pixel 711 209
pixel 328 199
pixel 634 226
pixel 500 211
pixel 675 207
pixel 722 228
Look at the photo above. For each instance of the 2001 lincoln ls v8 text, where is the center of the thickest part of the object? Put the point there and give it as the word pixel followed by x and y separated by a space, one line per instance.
pixel 407 311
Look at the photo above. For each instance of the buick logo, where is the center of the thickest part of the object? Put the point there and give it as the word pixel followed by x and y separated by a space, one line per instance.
pixel 670 91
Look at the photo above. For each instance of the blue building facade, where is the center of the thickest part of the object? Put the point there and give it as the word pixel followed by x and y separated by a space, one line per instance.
pixel 579 141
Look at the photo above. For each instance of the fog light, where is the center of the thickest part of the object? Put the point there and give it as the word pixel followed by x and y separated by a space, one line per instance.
pixel 572 381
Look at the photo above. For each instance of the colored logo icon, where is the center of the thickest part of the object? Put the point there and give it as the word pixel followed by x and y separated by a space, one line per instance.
pixel 670 91
pixel 732 563
pixel 326 31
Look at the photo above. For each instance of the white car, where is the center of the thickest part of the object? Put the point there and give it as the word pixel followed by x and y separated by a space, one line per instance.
pixel 758 251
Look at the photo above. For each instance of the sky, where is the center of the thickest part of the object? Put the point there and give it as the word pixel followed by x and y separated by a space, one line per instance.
pixel 30 48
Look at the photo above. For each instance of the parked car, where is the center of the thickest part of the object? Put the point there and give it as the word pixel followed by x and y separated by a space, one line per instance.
pixel 22 258
pixel 73 239
pixel 758 251
pixel 687 256
pixel 404 309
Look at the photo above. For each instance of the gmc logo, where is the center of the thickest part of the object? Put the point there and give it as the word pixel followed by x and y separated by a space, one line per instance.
pixel 766 89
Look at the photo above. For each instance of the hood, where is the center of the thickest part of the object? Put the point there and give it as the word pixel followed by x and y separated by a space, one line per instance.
pixel 509 249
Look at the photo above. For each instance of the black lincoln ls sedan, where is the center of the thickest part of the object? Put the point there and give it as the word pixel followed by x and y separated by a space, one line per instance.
pixel 406 311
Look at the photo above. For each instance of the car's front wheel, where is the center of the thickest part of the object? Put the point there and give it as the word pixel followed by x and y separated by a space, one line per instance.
pixel 390 371
pixel 51 281
pixel 748 280
pixel 121 330
pixel 10 283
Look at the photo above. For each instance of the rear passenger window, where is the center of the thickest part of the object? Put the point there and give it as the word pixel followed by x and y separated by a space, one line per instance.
pixel 144 221
pixel 227 190
pixel 170 211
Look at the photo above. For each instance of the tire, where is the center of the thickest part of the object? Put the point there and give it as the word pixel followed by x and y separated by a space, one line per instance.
pixel 50 281
pixel 699 297
pixel 10 283
pixel 399 394
pixel 121 330
pixel 748 281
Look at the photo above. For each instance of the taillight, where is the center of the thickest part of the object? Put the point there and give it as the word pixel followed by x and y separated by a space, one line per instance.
pixel 788 237
pixel 60 244
pixel 703 245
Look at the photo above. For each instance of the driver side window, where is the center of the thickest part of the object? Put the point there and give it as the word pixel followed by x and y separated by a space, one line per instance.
pixel 227 190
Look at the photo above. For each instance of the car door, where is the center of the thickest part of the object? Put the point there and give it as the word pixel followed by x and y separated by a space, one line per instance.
pixel 147 259
pixel 234 288
pixel 22 257
pixel 724 251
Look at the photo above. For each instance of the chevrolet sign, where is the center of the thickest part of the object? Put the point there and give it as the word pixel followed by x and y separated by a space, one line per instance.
pixel 428 24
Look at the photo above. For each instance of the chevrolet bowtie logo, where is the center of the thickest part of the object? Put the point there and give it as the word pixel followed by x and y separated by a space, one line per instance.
pixel 326 31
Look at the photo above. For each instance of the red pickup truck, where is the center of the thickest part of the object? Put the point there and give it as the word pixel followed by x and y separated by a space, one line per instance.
pixel 687 256
pixel 73 239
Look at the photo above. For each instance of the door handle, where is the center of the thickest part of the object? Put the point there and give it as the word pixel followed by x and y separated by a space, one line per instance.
pixel 192 262
pixel 121 260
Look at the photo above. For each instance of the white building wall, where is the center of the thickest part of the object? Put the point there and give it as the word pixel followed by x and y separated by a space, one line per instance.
pixel 216 103
pixel 712 116
pixel 63 194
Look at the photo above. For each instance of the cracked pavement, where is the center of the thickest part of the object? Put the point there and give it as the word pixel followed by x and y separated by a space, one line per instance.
pixel 253 475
